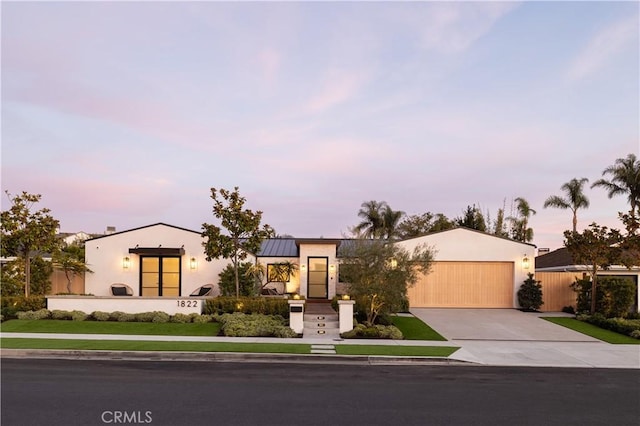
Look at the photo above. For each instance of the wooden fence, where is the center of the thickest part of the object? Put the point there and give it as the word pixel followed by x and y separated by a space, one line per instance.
pixel 59 283
pixel 556 290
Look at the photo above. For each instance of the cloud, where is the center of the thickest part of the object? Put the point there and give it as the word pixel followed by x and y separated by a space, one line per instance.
pixel 451 27
pixel 603 46
pixel 338 86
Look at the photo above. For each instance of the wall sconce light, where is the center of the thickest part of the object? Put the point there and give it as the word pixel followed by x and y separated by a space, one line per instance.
pixel 193 263
pixel 303 267
pixel 126 262
pixel 393 263
pixel 525 262
pixel 332 268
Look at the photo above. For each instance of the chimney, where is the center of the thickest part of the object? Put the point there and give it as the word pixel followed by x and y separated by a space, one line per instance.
pixel 110 230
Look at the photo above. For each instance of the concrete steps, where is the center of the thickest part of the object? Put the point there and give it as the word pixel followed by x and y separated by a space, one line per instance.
pixel 321 321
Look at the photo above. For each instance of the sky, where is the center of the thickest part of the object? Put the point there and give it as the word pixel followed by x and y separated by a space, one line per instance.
pixel 125 114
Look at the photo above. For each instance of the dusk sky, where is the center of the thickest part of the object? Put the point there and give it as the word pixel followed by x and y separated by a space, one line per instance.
pixel 126 114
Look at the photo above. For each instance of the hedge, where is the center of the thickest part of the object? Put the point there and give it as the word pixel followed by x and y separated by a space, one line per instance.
pixel 247 305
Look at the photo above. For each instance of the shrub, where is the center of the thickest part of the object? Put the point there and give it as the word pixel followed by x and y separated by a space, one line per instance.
pixel 568 310
pixel 100 316
pixel 160 317
pixel 34 315
pixel 115 315
pixel 126 317
pixel 361 331
pixel 145 316
pixel 255 325
pixel 61 315
pixel 247 305
pixel 530 294
pixel 618 325
pixel 202 319
pixel 193 316
pixel 78 316
pixel 11 305
pixel 227 280
pixel 180 318
pixel 618 296
pixel 614 296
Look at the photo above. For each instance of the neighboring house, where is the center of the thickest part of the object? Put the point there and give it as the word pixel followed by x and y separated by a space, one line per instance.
pixel 472 268
pixel 70 238
pixel 557 271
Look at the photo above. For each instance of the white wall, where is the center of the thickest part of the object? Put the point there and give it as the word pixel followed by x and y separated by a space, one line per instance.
pixel 293 285
pixel 88 304
pixel 467 245
pixel 105 255
pixel 318 250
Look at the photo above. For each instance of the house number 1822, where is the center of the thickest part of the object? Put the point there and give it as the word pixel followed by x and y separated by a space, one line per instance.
pixel 187 303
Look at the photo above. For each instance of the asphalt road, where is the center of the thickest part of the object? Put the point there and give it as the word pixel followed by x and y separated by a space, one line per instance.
pixel 68 392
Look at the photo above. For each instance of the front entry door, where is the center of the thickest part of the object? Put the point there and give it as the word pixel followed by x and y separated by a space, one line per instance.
pixel 160 276
pixel 317 283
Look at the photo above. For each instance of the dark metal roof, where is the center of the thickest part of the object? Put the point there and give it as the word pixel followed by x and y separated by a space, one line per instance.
pixel 556 258
pixel 279 247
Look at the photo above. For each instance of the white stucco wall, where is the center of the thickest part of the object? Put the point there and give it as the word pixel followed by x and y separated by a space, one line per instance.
pixel 467 245
pixel 130 305
pixel 293 285
pixel 105 255
pixel 318 250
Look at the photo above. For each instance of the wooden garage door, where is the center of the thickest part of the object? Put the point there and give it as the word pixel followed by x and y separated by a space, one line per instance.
pixel 465 285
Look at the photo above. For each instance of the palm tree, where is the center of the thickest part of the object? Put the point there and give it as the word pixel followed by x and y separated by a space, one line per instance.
pixel 390 221
pixel 574 200
pixel 625 179
pixel 372 223
pixel 521 231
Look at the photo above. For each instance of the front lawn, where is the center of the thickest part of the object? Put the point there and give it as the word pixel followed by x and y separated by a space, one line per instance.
pixel 593 331
pixel 414 329
pixel 393 350
pixel 136 345
pixel 110 327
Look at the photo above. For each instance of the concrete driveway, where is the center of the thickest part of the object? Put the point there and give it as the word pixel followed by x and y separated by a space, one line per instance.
pixel 508 337
pixel 496 324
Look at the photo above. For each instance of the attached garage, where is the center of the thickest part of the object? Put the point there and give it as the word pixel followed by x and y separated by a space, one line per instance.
pixel 472 269
pixel 465 285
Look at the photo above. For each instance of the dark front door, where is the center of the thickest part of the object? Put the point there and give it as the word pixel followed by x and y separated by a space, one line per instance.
pixel 317 283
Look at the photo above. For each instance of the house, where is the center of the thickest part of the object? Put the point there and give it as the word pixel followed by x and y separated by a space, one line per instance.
pixel 472 268
pixel 557 270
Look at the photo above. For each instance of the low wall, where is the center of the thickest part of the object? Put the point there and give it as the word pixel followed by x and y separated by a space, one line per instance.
pixel 128 304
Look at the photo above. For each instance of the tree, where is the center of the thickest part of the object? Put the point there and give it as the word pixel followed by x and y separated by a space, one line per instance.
pixel 245 234
pixel 630 244
pixel 372 223
pixel 378 273
pixel 227 280
pixel 520 224
pixel 625 179
pixel 26 233
pixel 390 220
pixel 597 248
pixel 575 199
pixel 472 218
pixel 415 225
pixel 530 294
pixel 71 261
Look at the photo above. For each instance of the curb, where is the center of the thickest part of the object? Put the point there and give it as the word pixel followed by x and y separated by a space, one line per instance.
pixel 226 357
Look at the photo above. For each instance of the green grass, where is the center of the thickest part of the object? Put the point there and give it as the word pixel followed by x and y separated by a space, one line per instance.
pixel 136 345
pixel 414 329
pixel 593 331
pixel 282 348
pixel 108 327
pixel 439 351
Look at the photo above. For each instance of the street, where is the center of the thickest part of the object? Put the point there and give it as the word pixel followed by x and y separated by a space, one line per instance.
pixel 71 392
